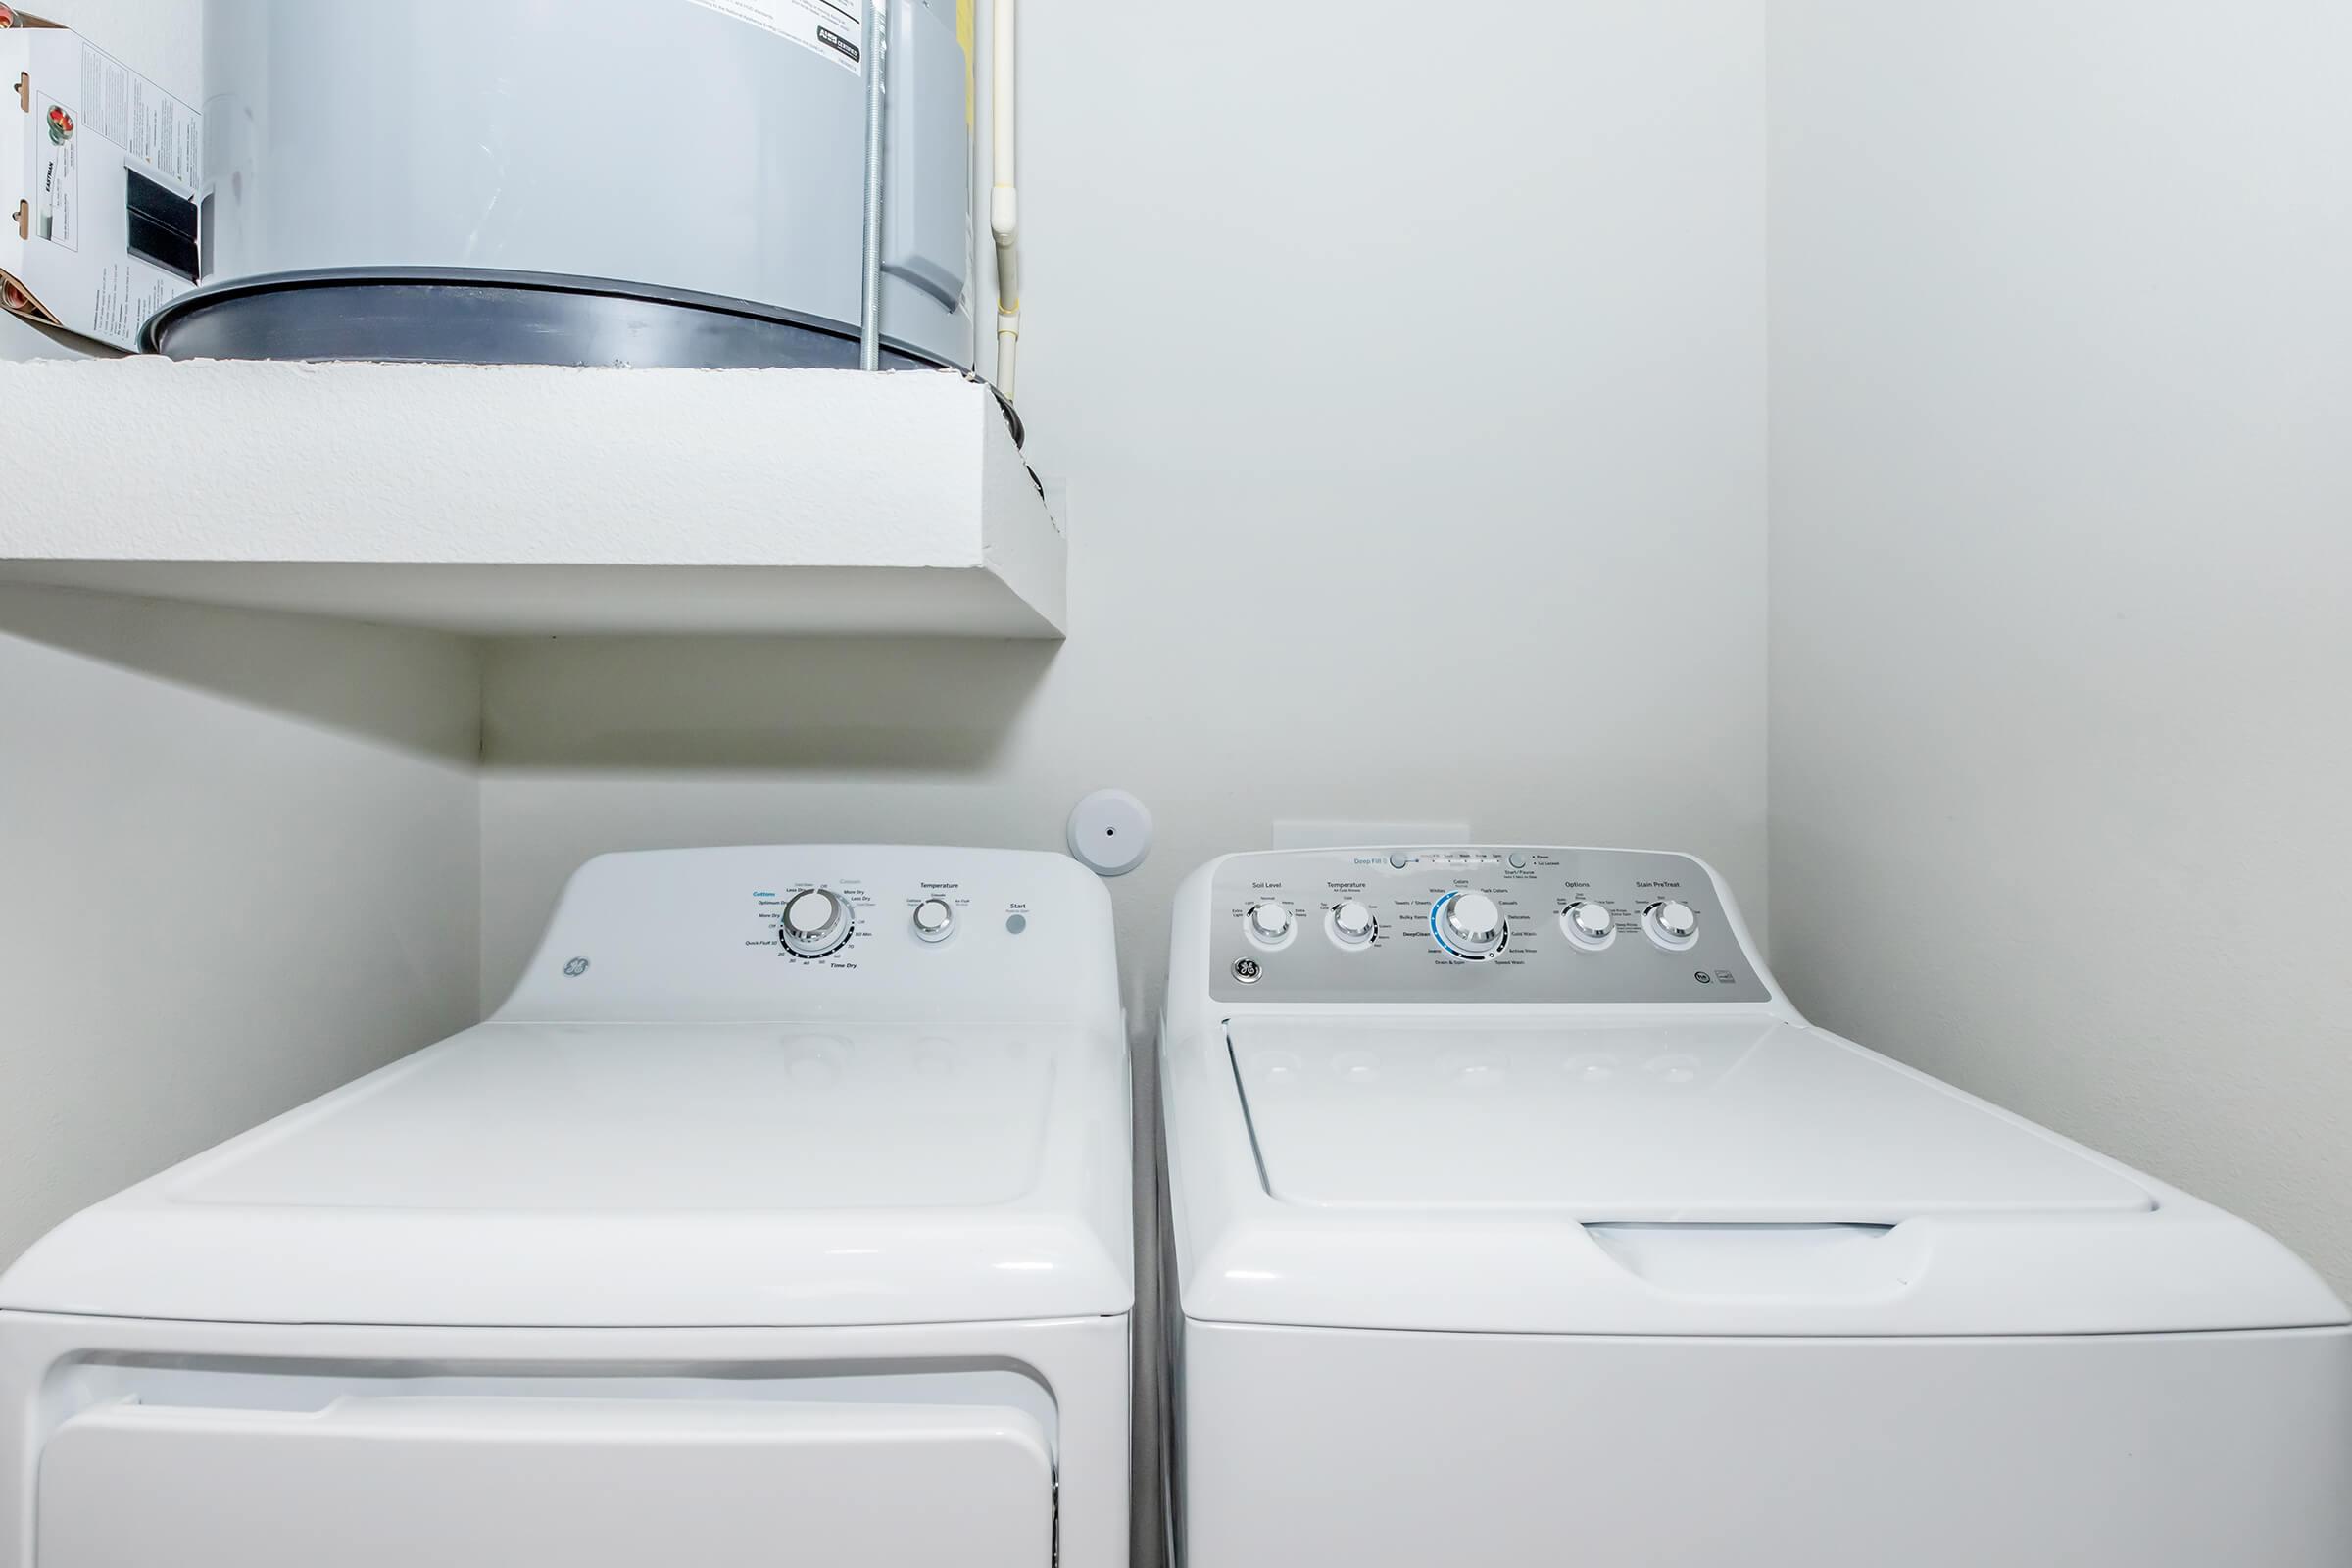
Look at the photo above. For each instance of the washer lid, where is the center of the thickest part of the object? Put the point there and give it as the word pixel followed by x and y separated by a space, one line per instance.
pixel 640 1175
pixel 1753 1122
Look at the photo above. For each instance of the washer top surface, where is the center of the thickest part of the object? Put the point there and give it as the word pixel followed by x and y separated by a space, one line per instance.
pixel 1542 1089
pixel 1741 1121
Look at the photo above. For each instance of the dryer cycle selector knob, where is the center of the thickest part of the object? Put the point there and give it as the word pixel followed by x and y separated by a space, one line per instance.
pixel 1269 922
pixel 815 922
pixel 1672 923
pixel 1352 925
pixel 934 920
pixel 1470 924
pixel 1588 925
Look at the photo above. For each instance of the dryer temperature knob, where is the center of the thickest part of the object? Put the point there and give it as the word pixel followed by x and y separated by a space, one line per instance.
pixel 934 920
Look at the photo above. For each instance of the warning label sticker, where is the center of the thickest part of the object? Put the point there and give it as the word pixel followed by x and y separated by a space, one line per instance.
pixel 141 119
pixel 832 31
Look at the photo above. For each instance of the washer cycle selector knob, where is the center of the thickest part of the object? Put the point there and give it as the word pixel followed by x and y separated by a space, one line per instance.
pixel 934 920
pixel 815 922
pixel 1471 924
pixel 1672 923
pixel 1588 925
pixel 1352 924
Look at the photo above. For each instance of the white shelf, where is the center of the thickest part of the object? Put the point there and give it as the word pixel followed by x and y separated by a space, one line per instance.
pixel 521 500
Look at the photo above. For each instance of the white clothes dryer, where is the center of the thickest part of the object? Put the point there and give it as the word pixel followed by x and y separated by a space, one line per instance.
pixel 1516 1217
pixel 780 1214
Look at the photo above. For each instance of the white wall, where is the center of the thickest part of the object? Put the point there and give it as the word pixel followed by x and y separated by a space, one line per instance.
pixel 241 852
pixel 1411 404
pixel 241 856
pixel 2061 523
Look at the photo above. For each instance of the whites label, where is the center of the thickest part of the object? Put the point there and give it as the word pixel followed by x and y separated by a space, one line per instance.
pixel 832 31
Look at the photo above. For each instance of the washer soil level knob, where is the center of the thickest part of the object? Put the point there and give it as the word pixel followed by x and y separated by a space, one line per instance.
pixel 1269 921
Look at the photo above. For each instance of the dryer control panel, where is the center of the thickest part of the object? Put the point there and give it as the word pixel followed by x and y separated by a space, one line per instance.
pixel 1474 924
pixel 830 930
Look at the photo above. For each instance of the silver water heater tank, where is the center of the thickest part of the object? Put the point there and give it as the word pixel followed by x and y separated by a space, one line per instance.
pixel 576 183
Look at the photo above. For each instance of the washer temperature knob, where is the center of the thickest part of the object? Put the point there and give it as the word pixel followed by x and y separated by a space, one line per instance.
pixel 1672 923
pixel 1352 924
pixel 934 920
pixel 1269 922
pixel 815 922
pixel 1471 924
pixel 1588 925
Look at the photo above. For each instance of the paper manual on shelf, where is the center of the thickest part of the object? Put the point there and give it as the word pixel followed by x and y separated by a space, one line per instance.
pixel 98 168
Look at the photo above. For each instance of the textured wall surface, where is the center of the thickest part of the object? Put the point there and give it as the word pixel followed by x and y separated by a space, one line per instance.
pixel 2062 371
pixel 535 498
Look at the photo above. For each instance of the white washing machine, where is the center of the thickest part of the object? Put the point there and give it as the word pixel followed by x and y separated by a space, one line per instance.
pixel 780 1215
pixel 1517 1219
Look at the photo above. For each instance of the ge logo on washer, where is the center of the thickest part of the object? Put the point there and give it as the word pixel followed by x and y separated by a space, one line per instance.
pixel 577 969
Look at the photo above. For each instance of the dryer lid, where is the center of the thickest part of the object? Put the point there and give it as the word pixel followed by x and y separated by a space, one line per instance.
pixel 1684 1122
pixel 627 1175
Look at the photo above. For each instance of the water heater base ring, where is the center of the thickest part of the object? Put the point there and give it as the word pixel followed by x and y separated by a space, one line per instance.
pixel 445 316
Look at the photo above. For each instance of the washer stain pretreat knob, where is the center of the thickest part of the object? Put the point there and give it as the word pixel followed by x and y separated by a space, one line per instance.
pixel 1473 924
pixel 815 922
pixel 1270 921
pixel 1353 925
pixel 1674 920
pixel 1589 922
pixel 934 920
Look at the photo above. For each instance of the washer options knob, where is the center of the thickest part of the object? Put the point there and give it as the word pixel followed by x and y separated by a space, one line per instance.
pixel 1352 924
pixel 934 920
pixel 1470 924
pixel 1671 923
pixel 1588 925
pixel 1269 922
pixel 815 922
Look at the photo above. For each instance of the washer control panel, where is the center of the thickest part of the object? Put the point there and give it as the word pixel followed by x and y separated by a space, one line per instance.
pixel 1473 924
